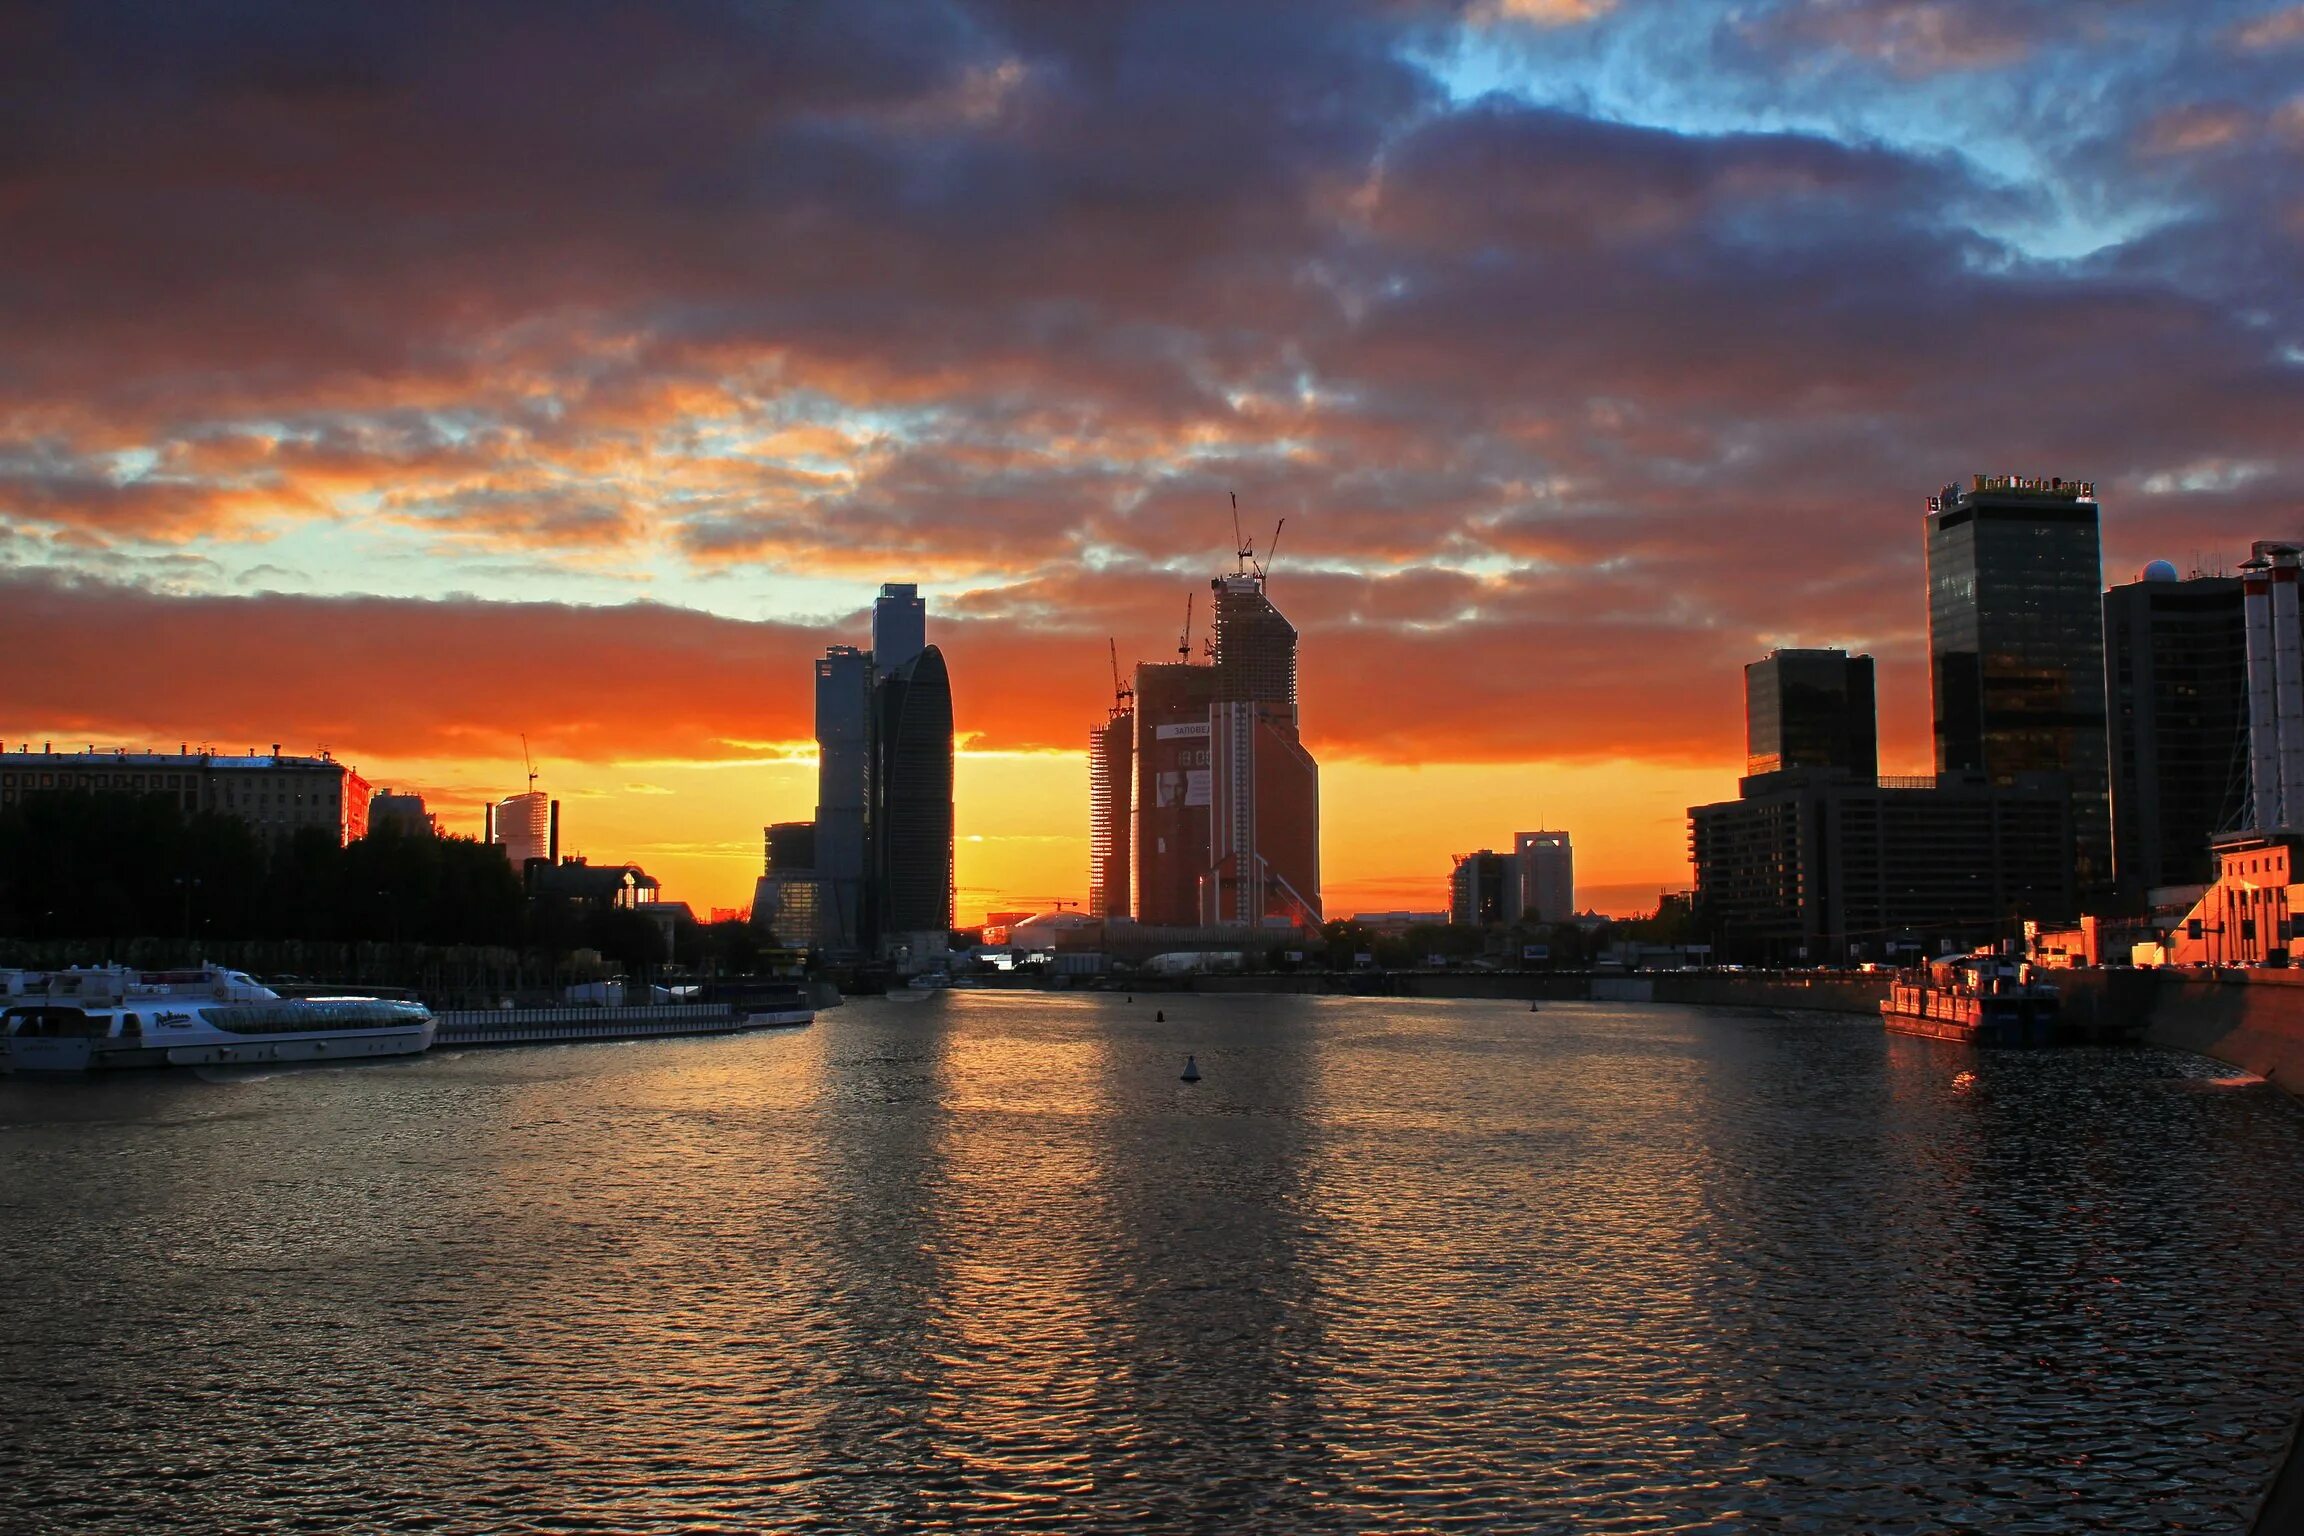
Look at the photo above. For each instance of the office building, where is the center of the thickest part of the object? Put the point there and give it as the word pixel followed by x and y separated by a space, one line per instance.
pixel 2176 693
pixel 788 899
pixel 899 627
pixel 524 827
pixel 1482 888
pixel 876 878
pixel 2247 917
pixel 1814 867
pixel 1172 700
pixel 1811 709
pixel 1255 647
pixel 1544 869
pixel 844 684
pixel 275 794
pixel 1263 860
pixel 912 831
pixel 2016 641
pixel 1227 826
pixel 1111 810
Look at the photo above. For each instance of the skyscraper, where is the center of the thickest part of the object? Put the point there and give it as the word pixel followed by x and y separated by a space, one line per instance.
pixel 844 795
pixel 2016 637
pixel 1227 801
pixel 912 821
pixel 1264 788
pixel 524 828
pixel 1111 811
pixel 1480 889
pixel 2176 687
pixel 1255 647
pixel 899 626
pixel 1811 709
pixel 1546 871
pixel 1172 700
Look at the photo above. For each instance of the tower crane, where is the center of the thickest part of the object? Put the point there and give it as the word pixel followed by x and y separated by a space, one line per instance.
pixel 1122 695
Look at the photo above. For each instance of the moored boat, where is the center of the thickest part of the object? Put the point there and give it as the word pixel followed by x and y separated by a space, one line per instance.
pixel 1980 999
pixel 102 1018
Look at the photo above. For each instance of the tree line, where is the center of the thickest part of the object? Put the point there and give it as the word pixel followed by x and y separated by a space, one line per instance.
pixel 112 865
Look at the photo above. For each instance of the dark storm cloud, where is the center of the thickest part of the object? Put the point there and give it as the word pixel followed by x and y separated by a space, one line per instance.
pixel 1018 291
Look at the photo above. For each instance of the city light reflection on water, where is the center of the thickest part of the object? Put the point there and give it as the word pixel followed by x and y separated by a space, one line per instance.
pixel 984 1261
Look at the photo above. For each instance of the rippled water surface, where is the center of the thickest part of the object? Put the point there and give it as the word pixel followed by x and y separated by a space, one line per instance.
pixel 982 1261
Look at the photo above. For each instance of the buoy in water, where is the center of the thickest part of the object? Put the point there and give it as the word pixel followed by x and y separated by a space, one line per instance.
pixel 1191 1069
pixel 1159 1016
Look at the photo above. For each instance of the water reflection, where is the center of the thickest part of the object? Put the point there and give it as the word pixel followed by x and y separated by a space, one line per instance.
pixel 983 1261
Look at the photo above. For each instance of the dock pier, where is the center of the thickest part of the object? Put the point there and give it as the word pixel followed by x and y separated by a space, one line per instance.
pixel 557 1025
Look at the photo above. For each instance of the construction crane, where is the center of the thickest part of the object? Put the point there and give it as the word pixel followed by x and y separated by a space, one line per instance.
pixel 1271 550
pixel 1244 548
pixel 530 761
pixel 1123 696
pixel 1184 641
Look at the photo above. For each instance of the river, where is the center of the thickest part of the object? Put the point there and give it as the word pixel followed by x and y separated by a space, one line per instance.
pixel 982 1261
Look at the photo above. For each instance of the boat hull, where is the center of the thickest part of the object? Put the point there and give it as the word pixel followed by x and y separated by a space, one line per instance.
pixel 2019 1022
pixel 41 1055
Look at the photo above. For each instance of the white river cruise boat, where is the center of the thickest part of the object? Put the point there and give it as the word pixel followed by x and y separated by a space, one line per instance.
pixel 99 1018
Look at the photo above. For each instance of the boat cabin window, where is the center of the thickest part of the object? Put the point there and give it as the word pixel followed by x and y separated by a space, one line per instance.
pixel 53 1022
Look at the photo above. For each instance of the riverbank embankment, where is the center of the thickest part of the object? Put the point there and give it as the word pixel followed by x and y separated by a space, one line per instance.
pixel 2252 1019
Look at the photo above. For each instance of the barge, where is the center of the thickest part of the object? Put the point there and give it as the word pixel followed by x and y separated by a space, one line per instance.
pixel 1982 999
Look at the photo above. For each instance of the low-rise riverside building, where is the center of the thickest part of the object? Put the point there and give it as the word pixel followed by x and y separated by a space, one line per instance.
pixel 275 793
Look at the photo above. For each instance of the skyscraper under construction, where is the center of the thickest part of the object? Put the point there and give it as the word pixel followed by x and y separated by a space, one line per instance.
pixel 1224 821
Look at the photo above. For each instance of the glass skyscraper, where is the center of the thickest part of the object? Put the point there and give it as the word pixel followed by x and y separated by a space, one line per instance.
pixel 912 824
pixel 2176 670
pixel 1811 709
pixel 2016 642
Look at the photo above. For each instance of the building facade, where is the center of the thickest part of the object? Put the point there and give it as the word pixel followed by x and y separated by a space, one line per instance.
pixel 522 827
pixel 788 899
pixel 899 627
pixel 1226 814
pixel 1811 709
pixel 844 756
pixel 2016 641
pixel 2176 711
pixel 276 795
pixel 1111 813
pixel 1481 888
pixel 1546 872
pixel 912 833
pixel 1812 867
pixel 1172 790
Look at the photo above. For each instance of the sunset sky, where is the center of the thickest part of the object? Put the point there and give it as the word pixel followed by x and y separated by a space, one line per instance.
pixel 404 378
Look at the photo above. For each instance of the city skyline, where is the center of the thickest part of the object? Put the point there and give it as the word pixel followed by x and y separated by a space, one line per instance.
pixel 1582 376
